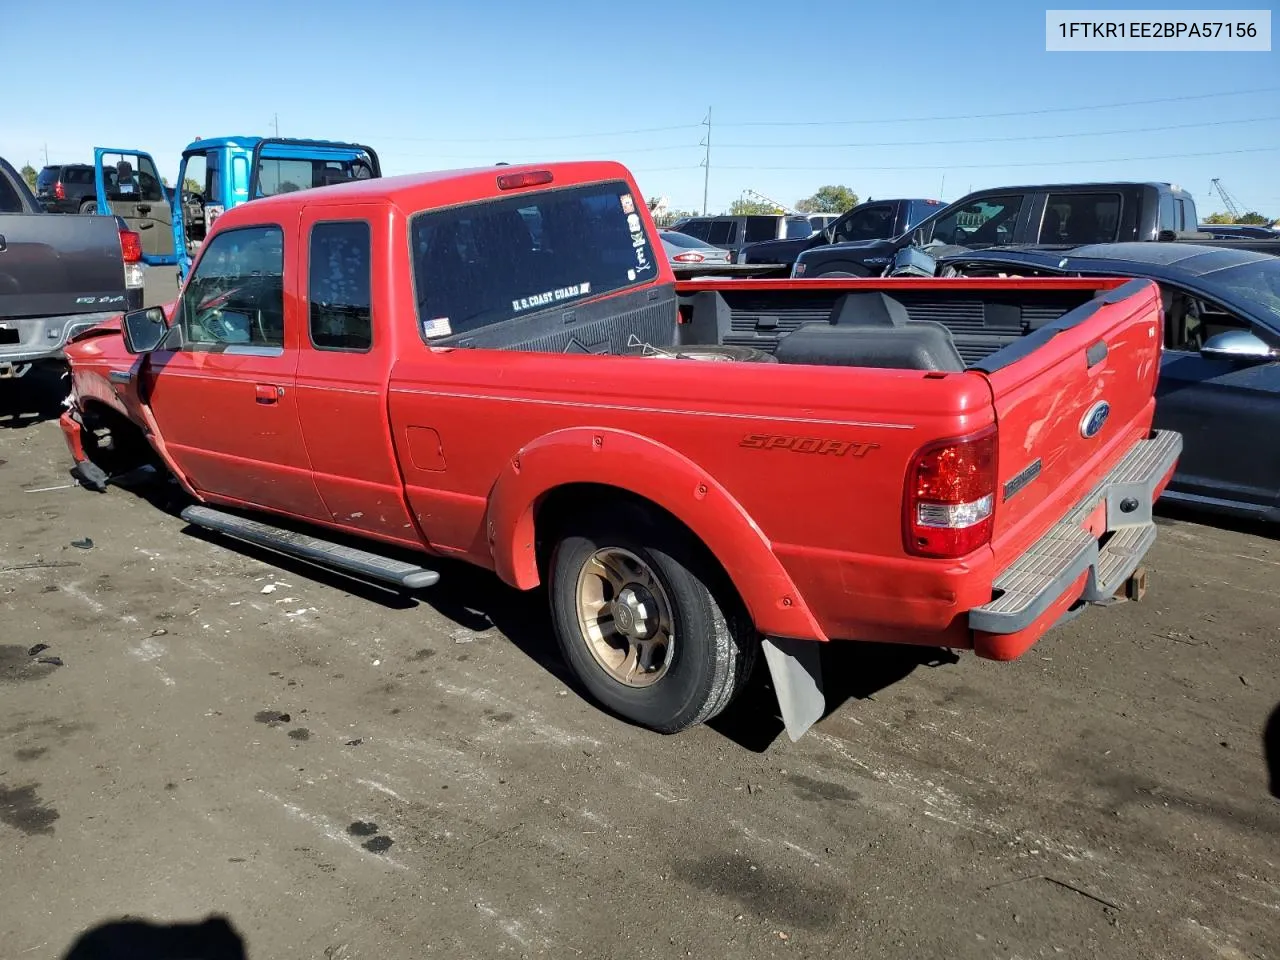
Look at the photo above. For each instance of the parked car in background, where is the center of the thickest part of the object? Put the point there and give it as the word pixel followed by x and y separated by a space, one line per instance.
pixel 732 233
pixel 67 188
pixel 682 248
pixel 874 220
pixel 231 170
pixel 1239 231
pixel 1068 214
pixel 1220 372
pixel 59 275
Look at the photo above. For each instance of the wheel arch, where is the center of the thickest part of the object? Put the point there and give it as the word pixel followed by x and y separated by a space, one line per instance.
pixel 541 484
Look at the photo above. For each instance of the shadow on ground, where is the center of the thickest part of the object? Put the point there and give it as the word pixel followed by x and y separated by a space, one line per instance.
pixel 213 938
pixel 35 397
pixel 476 600
pixel 1169 513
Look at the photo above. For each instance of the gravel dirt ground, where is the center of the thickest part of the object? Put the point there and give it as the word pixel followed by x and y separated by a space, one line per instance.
pixel 347 773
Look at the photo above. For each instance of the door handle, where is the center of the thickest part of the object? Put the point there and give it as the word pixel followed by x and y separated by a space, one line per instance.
pixel 267 392
pixel 144 208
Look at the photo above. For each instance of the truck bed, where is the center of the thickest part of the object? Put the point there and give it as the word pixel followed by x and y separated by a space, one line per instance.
pixel 981 319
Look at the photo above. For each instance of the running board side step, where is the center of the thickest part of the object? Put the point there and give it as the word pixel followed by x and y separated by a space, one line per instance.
pixel 359 563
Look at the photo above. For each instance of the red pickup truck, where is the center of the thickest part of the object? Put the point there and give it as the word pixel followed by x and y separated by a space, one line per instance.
pixel 496 365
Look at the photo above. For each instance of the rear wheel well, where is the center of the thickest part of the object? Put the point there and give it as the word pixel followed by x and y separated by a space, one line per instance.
pixel 558 507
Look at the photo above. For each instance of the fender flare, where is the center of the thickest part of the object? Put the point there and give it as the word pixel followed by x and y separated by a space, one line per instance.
pixel 643 467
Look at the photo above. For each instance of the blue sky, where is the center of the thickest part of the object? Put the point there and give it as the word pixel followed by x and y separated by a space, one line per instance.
pixel 823 91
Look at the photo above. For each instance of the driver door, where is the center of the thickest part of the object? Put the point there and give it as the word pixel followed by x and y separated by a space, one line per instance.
pixel 221 388
pixel 128 185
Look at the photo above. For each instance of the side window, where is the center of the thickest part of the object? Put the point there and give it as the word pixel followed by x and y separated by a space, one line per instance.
pixel 235 297
pixel 722 231
pixel 984 223
pixel 1183 222
pixel 697 228
pixel 1168 213
pixel 870 223
pixel 760 228
pixel 1189 215
pixel 1077 218
pixel 10 202
pixel 339 286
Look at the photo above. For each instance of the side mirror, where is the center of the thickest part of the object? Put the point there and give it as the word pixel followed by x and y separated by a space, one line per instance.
pixel 828 233
pixel 1238 345
pixel 144 330
pixel 917 237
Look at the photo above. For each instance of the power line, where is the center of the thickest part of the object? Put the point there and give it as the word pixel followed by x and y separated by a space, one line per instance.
pixel 939 143
pixel 997 165
pixel 563 136
pixel 993 116
pixel 889 143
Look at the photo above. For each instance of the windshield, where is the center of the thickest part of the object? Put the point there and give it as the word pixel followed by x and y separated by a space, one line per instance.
pixel 483 263
pixel 1256 285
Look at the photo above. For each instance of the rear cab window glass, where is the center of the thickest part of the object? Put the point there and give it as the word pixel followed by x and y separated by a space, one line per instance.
pixel 235 297
pixel 483 263
pixel 339 286
pixel 1080 218
pixel 1168 213
pixel 870 223
pixel 799 228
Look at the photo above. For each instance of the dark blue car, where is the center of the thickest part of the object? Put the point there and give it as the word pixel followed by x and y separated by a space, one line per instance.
pixel 1220 374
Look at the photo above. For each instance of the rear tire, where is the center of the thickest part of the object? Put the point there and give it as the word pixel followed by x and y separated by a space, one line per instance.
pixel 88 206
pixel 834 274
pixel 646 620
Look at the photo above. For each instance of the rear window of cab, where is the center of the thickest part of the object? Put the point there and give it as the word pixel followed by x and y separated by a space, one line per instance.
pixel 480 264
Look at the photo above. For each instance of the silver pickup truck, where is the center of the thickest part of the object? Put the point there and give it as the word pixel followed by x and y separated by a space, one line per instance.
pixel 59 274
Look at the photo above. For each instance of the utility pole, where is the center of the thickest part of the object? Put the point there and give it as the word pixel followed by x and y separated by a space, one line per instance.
pixel 706 162
pixel 46 153
pixel 942 190
pixel 275 121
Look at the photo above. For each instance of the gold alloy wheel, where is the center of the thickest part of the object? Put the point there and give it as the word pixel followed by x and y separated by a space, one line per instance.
pixel 625 617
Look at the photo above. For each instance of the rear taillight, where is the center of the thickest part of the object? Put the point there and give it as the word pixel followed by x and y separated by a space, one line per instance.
pixel 130 245
pixel 950 497
pixel 59 191
pixel 688 258
pixel 131 252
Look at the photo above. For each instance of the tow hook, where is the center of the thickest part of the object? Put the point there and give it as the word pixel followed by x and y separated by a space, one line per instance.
pixel 1134 588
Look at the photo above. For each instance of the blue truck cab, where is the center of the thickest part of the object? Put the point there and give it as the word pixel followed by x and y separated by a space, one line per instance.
pixel 223 172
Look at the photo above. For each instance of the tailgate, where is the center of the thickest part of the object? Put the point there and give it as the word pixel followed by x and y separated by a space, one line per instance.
pixel 1071 399
pixel 54 265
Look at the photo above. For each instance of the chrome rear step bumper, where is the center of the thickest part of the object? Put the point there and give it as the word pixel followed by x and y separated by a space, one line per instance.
pixel 1039 578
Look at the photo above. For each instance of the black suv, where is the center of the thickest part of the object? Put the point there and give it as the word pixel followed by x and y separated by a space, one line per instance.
pixel 67 188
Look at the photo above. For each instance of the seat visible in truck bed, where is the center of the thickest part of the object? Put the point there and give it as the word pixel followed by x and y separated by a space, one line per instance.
pixel 918 345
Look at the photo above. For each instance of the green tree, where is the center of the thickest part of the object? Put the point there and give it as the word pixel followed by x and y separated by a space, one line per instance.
pixel 29 174
pixel 1255 218
pixel 1218 218
pixel 743 207
pixel 833 198
pixel 192 186
pixel 671 216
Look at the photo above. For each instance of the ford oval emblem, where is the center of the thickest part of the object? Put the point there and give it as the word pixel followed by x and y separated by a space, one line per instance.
pixel 1094 419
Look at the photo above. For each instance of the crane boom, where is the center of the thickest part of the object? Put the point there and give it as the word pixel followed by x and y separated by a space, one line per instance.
pixel 1228 201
